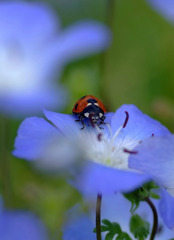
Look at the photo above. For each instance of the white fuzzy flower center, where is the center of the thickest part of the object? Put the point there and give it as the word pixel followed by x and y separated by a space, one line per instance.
pixel 105 148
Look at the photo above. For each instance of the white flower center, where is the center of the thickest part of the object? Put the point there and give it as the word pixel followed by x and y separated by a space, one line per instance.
pixel 103 147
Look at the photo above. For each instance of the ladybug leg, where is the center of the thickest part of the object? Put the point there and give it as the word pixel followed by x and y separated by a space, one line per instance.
pixel 102 121
pixel 81 117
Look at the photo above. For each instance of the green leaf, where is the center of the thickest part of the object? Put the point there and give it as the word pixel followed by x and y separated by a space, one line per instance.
pixel 134 198
pixel 123 236
pixel 139 227
pixel 154 195
pixel 107 222
pixel 110 236
pixel 141 194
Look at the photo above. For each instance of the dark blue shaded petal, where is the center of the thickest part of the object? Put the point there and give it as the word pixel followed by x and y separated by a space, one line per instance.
pixel 33 136
pixel 96 178
pixel 18 225
pixel 166 208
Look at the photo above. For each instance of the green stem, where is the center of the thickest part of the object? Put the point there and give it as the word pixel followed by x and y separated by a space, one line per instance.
pixel 98 217
pixel 155 218
pixel 5 162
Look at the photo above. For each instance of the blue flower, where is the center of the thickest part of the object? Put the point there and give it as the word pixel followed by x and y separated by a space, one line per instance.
pixel 155 157
pixel 104 151
pixel 19 225
pixel 115 209
pixel 33 52
pixel 165 8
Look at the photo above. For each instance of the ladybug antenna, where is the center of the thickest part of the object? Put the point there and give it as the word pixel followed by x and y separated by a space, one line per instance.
pixel 126 119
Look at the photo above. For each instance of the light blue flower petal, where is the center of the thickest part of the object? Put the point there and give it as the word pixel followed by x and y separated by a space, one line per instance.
pixel 96 178
pixel 18 225
pixel 164 7
pixel 166 209
pixel 115 208
pixel 33 136
pixel 32 24
pixel 155 156
pixel 28 104
pixel 64 122
pixel 139 126
pixel 67 124
pixel 79 40
pixel 80 228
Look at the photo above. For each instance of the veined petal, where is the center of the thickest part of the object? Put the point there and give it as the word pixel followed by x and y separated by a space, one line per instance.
pixel 33 136
pixel 139 126
pixel 97 178
pixel 64 122
pixel 155 157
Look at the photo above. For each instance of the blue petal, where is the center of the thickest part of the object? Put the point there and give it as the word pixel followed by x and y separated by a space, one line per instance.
pixel 31 23
pixel 28 104
pixel 80 228
pixel 33 135
pixel 81 39
pixel 115 208
pixel 64 122
pixel 139 126
pixel 155 157
pixel 166 209
pixel 165 8
pixel 18 225
pixel 96 178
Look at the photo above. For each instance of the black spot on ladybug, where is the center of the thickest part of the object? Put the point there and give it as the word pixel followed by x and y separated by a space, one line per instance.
pixel 92 101
pixel 76 106
pixel 83 97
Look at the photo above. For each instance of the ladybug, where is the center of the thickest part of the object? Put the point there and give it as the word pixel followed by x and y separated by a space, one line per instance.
pixel 91 108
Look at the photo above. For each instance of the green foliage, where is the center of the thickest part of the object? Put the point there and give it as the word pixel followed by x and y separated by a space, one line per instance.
pixel 141 194
pixel 139 227
pixel 113 230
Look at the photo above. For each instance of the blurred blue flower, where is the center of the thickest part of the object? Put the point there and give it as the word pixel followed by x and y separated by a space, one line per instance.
pixel 155 157
pixel 164 7
pixel 105 151
pixel 115 209
pixel 20 225
pixel 33 52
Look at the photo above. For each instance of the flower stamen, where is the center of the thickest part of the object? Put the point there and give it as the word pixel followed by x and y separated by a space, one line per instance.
pixel 129 151
pixel 126 120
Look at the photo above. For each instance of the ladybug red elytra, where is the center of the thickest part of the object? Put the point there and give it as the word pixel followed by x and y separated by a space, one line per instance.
pixel 90 107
